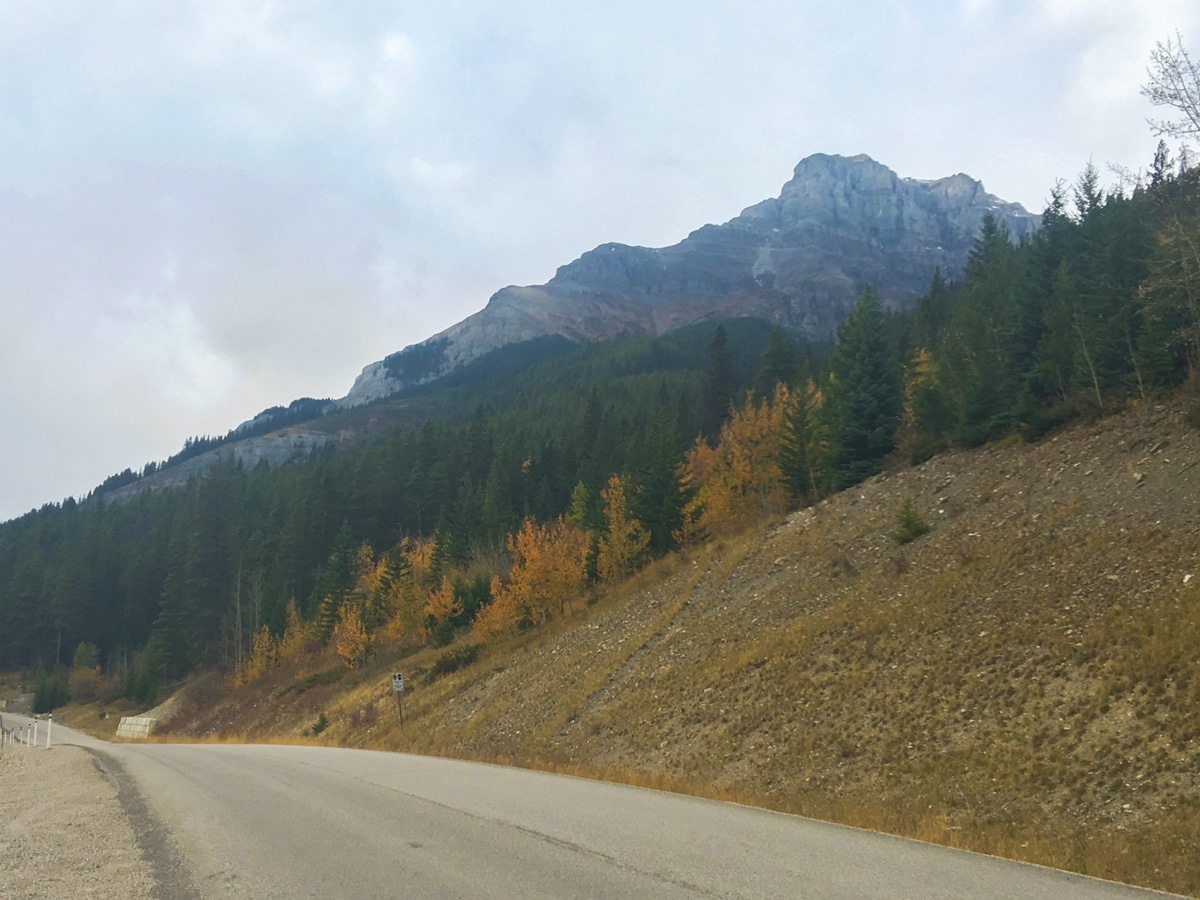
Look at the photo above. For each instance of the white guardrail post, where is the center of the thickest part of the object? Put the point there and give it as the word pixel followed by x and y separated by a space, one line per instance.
pixel 49 728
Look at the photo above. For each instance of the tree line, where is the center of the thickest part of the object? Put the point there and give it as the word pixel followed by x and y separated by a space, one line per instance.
pixel 524 491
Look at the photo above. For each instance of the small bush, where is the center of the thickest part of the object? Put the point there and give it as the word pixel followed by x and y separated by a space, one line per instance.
pixel 443 633
pixel 909 524
pixel 452 661
pixel 320 725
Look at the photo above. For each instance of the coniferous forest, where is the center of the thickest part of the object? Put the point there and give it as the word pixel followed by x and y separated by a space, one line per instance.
pixel 554 475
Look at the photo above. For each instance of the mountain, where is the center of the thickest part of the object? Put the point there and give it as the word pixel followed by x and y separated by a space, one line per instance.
pixel 799 260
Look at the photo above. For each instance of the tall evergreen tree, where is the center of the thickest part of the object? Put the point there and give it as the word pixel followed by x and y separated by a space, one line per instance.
pixel 865 394
pixel 335 582
pixel 803 445
pixel 716 390
pixel 979 350
pixel 778 364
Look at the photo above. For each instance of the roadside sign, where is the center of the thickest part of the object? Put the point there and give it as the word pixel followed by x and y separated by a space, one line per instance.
pixel 397 681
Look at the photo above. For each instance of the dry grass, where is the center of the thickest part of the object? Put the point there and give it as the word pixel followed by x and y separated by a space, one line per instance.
pixel 97 719
pixel 1020 681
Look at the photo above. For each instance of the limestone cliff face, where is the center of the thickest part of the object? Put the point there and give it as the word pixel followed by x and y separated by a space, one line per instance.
pixel 800 260
pixel 272 449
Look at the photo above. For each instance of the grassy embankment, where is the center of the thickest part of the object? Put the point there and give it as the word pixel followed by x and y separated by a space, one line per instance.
pixel 1021 680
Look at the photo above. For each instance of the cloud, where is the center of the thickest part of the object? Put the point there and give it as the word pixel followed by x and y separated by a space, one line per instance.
pixel 162 342
pixel 207 208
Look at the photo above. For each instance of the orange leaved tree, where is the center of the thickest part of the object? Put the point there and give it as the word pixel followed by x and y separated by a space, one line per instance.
pixel 350 637
pixel 740 479
pixel 296 633
pixel 441 604
pixel 623 543
pixel 548 562
pixel 262 659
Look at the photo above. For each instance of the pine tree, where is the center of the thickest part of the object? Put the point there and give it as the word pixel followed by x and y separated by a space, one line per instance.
pixel 928 412
pixel 716 390
pixel 865 394
pixel 657 502
pixel 336 582
pixel 804 445
pixel 778 364
pixel 977 352
pixel 933 311
pixel 1169 299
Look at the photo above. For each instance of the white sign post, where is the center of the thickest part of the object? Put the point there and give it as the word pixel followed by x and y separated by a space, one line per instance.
pixel 398 690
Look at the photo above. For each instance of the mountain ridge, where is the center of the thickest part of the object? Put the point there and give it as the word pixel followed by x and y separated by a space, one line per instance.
pixel 799 260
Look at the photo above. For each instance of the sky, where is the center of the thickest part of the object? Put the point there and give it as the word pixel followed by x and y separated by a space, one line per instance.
pixel 208 208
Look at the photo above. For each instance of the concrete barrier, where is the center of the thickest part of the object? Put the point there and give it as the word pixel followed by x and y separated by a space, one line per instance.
pixel 135 726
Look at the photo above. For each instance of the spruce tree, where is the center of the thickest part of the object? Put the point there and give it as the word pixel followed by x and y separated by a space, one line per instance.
pixel 778 364
pixel 800 456
pixel 716 390
pixel 865 394
pixel 980 349
pixel 335 582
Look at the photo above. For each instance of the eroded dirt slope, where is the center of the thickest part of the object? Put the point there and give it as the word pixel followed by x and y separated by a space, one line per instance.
pixel 1021 680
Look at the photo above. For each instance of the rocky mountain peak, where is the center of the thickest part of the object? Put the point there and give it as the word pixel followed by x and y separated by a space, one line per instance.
pixel 800 260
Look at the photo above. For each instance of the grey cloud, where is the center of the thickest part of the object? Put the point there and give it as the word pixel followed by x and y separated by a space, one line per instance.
pixel 209 208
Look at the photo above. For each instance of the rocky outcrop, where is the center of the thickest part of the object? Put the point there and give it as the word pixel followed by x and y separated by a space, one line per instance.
pixel 800 260
pixel 272 450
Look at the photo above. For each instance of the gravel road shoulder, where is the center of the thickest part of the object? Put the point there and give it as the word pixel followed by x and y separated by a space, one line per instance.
pixel 64 831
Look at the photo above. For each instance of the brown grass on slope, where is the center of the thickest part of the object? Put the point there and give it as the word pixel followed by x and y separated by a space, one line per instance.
pixel 1022 680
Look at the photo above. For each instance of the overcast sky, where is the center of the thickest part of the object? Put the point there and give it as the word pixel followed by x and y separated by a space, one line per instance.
pixel 208 208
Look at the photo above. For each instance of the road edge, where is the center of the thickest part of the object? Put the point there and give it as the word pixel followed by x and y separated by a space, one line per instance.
pixel 167 864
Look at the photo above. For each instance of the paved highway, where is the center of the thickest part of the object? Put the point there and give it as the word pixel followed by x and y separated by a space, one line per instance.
pixel 277 821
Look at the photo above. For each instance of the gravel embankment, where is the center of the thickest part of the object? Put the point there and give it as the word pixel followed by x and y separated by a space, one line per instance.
pixel 63 832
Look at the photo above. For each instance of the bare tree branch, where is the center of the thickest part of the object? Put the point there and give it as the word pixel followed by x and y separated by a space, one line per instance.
pixel 1174 82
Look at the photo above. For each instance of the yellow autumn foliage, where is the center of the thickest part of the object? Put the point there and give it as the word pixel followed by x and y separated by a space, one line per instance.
pixel 623 543
pixel 350 637
pixel 739 480
pixel 442 604
pixel 263 657
pixel 296 634
pixel 547 573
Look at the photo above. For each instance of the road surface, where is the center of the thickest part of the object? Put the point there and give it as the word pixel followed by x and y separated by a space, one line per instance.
pixel 259 821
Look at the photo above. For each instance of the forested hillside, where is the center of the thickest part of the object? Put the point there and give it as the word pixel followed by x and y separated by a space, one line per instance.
pixel 177 564
pixel 589 463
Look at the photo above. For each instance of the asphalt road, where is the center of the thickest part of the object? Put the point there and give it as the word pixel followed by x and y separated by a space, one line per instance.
pixel 278 821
